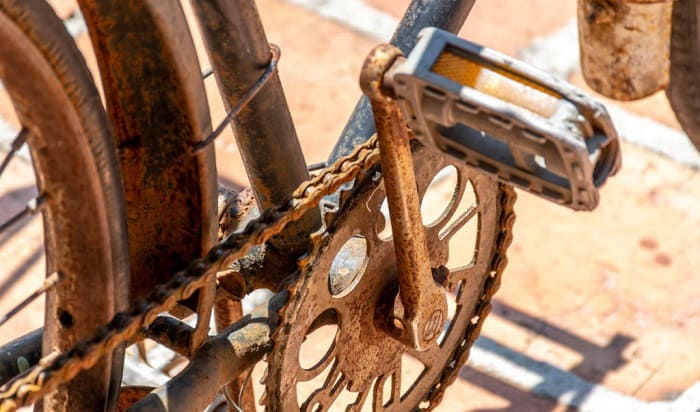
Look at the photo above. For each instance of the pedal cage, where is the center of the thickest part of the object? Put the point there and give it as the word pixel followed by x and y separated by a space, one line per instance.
pixel 507 119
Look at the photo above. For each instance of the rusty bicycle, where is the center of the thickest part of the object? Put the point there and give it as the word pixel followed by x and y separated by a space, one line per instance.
pixel 138 236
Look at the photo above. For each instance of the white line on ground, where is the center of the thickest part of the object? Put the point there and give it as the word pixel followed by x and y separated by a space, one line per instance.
pixel 557 53
pixel 544 379
pixel 354 13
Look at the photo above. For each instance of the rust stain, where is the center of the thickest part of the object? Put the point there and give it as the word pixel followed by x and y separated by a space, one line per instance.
pixel 648 243
pixel 129 395
pixel 663 259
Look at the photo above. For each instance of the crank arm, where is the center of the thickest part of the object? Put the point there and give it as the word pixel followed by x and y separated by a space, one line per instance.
pixel 506 118
pixel 417 319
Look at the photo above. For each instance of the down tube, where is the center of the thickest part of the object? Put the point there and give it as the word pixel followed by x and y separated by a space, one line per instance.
pixel 445 14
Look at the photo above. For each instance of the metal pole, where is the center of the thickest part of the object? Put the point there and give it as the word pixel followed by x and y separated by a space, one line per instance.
pixel 240 53
pixel 217 362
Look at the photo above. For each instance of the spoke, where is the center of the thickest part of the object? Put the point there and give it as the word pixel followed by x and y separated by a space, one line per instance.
pixel 207 72
pixel 447 232
pixel 33 206
pixel 48 284
pixel 16 144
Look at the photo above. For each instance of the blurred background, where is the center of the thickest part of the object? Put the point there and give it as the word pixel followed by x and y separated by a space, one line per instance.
pixel 597 311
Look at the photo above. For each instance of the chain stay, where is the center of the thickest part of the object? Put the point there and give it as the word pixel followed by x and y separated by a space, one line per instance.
pixel 51 371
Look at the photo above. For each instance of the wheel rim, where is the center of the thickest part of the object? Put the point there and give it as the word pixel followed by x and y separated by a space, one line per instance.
pixel 78 182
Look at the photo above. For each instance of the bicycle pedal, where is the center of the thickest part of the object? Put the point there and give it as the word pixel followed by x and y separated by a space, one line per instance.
pixel 506 118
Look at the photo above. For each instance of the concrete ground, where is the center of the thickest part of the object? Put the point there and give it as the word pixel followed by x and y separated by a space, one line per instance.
pixel 597 311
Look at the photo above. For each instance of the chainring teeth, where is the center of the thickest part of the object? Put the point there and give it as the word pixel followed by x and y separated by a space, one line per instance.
pixel 507 197
pixel 502 198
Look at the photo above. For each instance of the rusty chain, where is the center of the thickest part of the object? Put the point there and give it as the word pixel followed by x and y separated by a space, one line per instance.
pixel 51 371
pixel 27 388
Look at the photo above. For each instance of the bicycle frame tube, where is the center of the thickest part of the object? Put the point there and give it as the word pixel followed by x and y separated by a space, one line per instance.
pixel 444 14
pixel 264 130
pixel 217 362
pixel 239 53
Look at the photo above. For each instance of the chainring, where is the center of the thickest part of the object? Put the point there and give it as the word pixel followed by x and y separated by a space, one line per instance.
pixel 352 271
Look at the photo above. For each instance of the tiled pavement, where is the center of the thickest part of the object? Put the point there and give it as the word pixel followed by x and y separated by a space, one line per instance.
pixel 592 305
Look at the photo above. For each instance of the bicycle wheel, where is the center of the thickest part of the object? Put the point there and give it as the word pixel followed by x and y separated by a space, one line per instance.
pixel 684 86
pixel 80 194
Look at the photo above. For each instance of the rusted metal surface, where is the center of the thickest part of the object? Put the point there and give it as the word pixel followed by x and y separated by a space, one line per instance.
pixel 155 131
pixel 156 101
pixel 205 304
pixel 77 175
pixel 418 320
pixel 362 357
pixel 129 395
pixel 625 46
pixel 171 333
pixel 268 74
pixel 217 362
pixel 444 14
pixel 227 312
pixel 239 52
pixel 259 269
pixel 233 211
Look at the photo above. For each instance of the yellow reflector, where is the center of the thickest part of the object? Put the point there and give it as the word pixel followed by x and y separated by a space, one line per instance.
pixel 497 83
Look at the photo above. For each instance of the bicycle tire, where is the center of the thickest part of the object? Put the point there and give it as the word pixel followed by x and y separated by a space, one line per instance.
pixel 76 169
pixel 683 91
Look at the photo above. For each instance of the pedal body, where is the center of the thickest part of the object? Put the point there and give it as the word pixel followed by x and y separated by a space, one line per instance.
pixel 507 119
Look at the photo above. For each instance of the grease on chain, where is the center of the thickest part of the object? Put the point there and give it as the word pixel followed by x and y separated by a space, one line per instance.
pixel 30 386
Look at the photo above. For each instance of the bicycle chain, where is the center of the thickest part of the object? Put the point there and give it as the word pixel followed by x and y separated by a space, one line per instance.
pixel 51 371
pixel 28 387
